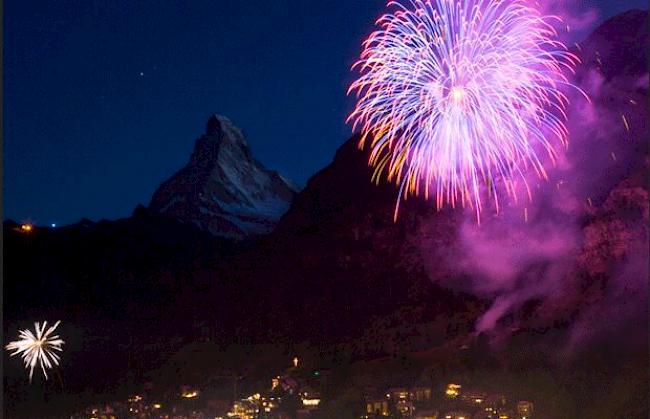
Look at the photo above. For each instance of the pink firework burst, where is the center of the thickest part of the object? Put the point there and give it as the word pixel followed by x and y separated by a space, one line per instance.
pixel 457 97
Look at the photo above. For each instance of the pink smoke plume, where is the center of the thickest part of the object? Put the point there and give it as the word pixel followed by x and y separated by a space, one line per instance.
pixel 575 246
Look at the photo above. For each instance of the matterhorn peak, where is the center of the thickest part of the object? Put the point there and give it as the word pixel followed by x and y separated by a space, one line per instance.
pixel 213 127
pixel 219 126
pixel 223 189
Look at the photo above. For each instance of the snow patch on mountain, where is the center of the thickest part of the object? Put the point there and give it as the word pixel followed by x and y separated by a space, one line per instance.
pixel 223 189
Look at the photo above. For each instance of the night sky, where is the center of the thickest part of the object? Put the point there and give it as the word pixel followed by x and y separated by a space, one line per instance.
pixel 104 99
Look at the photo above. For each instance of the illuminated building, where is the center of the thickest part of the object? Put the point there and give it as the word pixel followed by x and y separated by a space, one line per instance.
pixel 244 409
pixel 189 394
pixel 404 407
pixel 136 398
pixel 457 415
pixel 310 399
pixel 311 402
pixel 474 397
pixel 105 412
pixel 398 393
pixel 426 414
pixel 490 411
pixel 421 394
pixel 453 390
pixel 525 409
pixel 496 402
pixel 402 401
pixel 377 407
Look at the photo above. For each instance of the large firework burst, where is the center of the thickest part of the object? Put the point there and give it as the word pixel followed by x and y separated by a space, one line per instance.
pixel 458 96
pixel 37 347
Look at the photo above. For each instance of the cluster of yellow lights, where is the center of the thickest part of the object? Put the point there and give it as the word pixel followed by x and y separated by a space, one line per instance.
pixel 268 405
pixel 311 402
pixel 157 405
pixel 190 394
pixel 26 228
pixel 135 398
pixel 453 390
pixel 243 411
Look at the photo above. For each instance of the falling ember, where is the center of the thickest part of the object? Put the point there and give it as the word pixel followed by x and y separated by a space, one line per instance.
pixel 627 126
pixel 589 201
pixel 37 348
pixel 526 214
pixel 456 98
pixel 633 102
pixel 613 156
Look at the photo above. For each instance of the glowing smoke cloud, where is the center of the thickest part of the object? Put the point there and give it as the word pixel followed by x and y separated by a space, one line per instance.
pixel 457 96
pixel 37 347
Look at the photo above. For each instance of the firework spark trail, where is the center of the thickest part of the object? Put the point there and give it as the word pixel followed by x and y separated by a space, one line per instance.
pixel 627 125
pixel 37 348
pixel 455 96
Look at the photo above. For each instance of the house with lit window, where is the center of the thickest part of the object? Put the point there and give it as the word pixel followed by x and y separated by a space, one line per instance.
pixel 524 409
pixel 377 407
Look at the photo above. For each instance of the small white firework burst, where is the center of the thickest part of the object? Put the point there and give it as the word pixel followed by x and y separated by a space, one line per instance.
pixel 37 348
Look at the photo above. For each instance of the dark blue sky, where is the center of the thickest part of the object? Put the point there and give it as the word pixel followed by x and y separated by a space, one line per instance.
pixel 104 99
